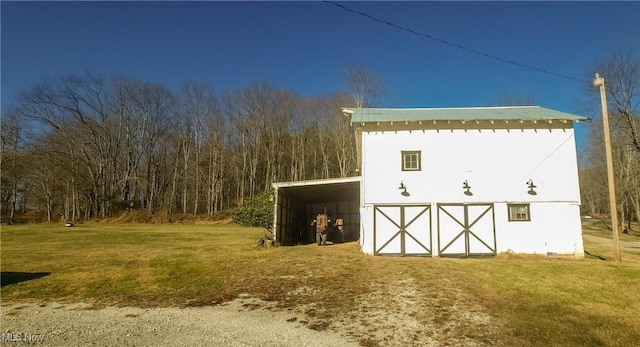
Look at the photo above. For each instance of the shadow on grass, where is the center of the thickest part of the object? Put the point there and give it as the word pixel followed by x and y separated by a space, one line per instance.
pixel 11 277
pixel 594 255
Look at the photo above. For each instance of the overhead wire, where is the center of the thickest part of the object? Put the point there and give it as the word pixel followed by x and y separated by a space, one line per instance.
pixel 490 56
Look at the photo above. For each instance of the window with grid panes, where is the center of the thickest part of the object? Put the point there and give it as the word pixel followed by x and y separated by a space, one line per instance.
pixel 519 212
pixel 410 160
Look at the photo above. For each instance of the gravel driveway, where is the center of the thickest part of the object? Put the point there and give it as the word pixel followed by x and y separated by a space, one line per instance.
pixel 392 314
pixel 231 324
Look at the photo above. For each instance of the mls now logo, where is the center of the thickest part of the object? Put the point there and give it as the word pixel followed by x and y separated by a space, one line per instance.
pixel 22 337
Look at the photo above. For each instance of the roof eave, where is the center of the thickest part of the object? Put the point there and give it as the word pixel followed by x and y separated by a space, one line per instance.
pixel 477 121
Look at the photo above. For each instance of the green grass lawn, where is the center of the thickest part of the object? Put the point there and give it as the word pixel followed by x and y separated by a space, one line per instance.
pixel 540 301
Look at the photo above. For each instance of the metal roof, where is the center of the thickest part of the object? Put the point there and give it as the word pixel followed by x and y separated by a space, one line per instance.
pixel 317 182
pixel 364 115
pixel 315 191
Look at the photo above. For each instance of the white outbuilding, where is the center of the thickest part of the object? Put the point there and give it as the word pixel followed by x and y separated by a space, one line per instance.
pixel 463 182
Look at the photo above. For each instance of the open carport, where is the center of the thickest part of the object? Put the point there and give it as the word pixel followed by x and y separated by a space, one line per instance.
pixel 297 203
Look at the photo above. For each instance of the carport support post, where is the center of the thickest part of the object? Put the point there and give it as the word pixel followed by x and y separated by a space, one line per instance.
pixel 599 82
pixel 274 226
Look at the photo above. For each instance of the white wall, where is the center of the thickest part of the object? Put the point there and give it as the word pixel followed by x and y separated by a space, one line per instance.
pixel 554 227
pixel 497 164
pixel 366 229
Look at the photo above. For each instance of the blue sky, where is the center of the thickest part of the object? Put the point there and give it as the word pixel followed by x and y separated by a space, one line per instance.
pixel 305 46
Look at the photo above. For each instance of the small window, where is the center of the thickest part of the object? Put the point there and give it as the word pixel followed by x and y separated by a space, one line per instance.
pixel 519 213
pixel 410 160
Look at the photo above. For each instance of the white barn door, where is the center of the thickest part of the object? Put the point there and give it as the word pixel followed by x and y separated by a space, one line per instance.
pixel 466 230
pixel 402 230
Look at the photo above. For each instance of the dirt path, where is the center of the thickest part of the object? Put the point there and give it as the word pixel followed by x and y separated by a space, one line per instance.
pixel 628 246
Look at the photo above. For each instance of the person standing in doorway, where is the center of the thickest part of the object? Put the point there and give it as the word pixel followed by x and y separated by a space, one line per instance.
pixel 340 225
pixel 321 228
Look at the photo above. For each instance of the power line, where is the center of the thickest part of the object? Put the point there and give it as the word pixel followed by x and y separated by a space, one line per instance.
pixel 382 21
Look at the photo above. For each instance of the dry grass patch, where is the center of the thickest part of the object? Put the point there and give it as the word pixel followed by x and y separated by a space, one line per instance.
pixel 126 264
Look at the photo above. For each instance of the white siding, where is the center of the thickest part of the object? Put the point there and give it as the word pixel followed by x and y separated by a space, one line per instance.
pixel 366 229
pixel 554 227
pixel 497 164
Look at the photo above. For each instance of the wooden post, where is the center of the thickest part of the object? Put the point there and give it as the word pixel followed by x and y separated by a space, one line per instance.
pixel 599 82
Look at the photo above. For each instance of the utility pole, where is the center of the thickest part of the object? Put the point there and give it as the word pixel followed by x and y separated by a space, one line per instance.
pixel 599 82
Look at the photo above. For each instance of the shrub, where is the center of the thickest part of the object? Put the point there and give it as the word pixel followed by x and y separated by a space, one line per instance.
pixel 256 212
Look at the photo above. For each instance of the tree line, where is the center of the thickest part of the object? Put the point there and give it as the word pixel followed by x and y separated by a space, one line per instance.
pixel 89 147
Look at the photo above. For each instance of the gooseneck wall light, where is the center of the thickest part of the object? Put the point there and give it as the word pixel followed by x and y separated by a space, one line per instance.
pixel 404 189
pixel 530 185
pixel 467 188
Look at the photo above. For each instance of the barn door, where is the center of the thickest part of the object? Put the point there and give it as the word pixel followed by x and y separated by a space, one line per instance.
pixel 466 230
pixel 402 230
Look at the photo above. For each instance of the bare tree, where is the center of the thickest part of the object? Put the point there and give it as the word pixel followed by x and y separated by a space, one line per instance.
pixel 216 170
pixel 364 85
pixel 621 71
pixel 10 162
pixel 199 115
pixel 45 179
pixel 75 108
pixel 344 137
pixel 244 139
pixel 152 108
pixel 320 111
pixel 275 134
pixel 300 140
